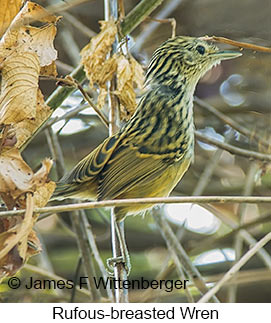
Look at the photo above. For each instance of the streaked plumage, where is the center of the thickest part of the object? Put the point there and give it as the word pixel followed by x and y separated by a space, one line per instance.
pixel 151 153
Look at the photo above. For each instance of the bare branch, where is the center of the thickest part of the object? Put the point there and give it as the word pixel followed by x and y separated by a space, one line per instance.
pixel 234 124
pixel 180 257
pixel 150 200
pixel 232 149
pixel 235 268
pixel 240 44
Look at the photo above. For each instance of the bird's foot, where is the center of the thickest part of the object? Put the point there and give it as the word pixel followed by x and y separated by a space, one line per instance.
pixel 113 262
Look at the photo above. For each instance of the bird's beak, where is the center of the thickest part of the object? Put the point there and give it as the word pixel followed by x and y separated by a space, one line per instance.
pixel 226 54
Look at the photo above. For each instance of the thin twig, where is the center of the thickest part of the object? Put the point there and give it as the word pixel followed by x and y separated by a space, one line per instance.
pixel 152 26
pixel 121 295
pixel 238 241
pixel 89 101
pixel 232 149
pixel 63 6
pixel 249 224
pixel 71 82
pixel 179 255
pixel 144 201
pixel 55 150
pixel 244 277
pixel 239 44
pixel 212 241
pixel 138 14
pixel 208 170
pixel 235 268
pixel 262 253
pixel 86 253
pixel 234 124
pixel 172 21
pixel 68 115
pixel 79 25
pixel 96 254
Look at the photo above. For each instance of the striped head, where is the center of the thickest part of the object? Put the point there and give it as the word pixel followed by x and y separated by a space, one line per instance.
pixel 184 59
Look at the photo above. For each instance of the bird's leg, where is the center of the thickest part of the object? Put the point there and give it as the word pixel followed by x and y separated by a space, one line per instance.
pixel 123 246
pixel 124 258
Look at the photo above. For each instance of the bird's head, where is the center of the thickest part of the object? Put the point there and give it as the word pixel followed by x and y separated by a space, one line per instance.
pixel 185 59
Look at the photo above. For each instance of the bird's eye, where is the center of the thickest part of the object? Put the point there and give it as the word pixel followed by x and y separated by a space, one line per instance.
pixel 200 49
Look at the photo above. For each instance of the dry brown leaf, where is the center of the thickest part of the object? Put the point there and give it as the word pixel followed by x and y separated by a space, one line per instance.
pixel 49 70
pixel 39 41
pixel 17 178
pixel 34 245
pixel 129 73
pixel 94 54
pixel 14 242
pixel 107 71
pixel 31 12
pixel 15 175
pixel 138 72
pixel 43 189
pixel 43 194
pixel 19 87
pixel 8 10
pixel 127 99
pixel 12 261
pixel 124 71
pixel 101 97
pixel 99 69
pixel 18 241
pixel 7 136
pixel 20 37
pixel 23 49
pixel 25 128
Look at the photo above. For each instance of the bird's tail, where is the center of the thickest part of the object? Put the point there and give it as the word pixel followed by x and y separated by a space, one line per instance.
pixel 75 190
pixel 62 192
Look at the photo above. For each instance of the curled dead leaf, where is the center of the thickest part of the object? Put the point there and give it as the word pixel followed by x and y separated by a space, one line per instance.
pixel 129 74
pixel 11 262
pixel 39 41
pixel 21 37
pixel 14 242
pixel 8 10
pixel 107 71
pixel 49 70
pixel 27 127
pixel 138 72
pixel 26 190
pixel 100 69
pixel 19 87
pixel 94 54
pixel 17 178
pixel 7 136
pixel 23 49
pixel 101 97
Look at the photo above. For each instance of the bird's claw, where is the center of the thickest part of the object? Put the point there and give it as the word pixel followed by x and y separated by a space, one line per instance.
pixel 113 262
